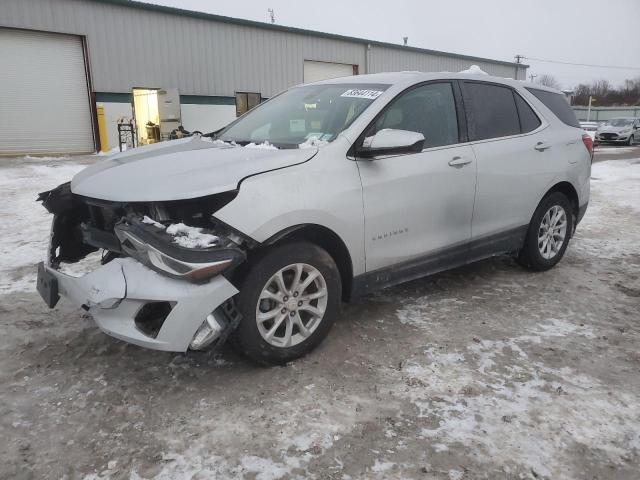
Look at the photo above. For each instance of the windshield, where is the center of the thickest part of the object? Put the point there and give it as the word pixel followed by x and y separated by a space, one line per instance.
pixel 620 122
pixel 303 114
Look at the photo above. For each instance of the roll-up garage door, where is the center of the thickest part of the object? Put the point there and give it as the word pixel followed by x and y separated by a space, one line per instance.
pixel 44 100
pixel 316 71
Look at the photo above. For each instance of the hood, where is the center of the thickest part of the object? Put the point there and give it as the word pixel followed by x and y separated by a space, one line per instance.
pixel 179 169
pixel 612 129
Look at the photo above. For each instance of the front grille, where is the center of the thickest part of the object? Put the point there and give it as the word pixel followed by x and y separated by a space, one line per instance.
pixel 608 136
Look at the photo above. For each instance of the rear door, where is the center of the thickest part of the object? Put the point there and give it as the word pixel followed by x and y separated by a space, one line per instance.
pixel 420 203
pixel 168 110
pixel 514 151
pixel 315 71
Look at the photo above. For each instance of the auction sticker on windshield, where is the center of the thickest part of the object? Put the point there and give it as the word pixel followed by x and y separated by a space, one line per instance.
pixel 358 93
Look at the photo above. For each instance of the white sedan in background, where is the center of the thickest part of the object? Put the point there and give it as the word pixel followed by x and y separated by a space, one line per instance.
pixel 619 130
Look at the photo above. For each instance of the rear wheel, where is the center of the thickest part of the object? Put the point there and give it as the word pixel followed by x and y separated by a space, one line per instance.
pixel 548 234
pixel 288 301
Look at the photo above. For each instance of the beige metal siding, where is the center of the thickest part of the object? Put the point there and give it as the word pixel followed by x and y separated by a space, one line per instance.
pixel 385 59
pixel 132 47
pixel 202 56
pixel 44 102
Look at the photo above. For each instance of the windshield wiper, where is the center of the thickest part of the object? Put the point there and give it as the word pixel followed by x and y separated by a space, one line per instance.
pixel 213 135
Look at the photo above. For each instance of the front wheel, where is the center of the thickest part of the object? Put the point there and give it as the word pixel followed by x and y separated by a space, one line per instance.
pixel 288 301
pixel 631 140
pixel 548 234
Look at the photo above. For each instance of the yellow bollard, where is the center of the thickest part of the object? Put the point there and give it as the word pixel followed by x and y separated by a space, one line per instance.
pixel 102 128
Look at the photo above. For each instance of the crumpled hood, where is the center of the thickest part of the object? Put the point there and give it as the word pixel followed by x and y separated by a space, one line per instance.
pixel 179 169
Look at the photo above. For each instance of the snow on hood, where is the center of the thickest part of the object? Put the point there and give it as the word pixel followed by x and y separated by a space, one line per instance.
pixel 179 169
pixel 612 129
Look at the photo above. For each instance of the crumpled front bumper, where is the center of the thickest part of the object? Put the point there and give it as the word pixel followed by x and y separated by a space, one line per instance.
pixel 116 292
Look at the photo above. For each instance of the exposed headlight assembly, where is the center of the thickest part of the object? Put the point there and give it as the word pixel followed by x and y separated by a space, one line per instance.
pixel 154 248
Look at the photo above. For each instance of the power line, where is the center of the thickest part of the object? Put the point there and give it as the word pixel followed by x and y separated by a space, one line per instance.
pixel 582 64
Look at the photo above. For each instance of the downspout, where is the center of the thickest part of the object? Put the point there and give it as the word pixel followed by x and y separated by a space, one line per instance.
pixel 367 57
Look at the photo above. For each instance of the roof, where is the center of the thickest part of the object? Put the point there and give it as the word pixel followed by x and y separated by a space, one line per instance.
pixel 301 31
pixel 394 78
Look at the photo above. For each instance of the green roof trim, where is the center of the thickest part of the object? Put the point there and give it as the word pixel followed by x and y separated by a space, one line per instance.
pixel 109 97
pixel 206 100
pixel 112 97
pixel 301 31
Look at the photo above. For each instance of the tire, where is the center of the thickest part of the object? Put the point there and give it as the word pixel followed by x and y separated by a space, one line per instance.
pixel 536 254
pixel 630 141
pixel 261 293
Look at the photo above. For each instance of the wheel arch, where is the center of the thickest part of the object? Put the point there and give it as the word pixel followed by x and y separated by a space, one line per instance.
pixel 326 239
pixel 569 191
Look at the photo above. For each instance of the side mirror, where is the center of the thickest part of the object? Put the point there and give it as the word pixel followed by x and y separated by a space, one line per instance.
pixel 391 142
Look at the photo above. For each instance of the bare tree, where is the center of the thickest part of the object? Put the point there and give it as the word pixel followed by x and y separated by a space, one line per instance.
pixel 607 95
pixel 601 88
pixel 549 81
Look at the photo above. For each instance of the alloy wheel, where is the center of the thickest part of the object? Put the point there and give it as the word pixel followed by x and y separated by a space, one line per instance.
pixel 291 305
pixel 552 232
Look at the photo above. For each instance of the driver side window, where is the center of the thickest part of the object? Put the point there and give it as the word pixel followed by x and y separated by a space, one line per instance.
pixel 428 109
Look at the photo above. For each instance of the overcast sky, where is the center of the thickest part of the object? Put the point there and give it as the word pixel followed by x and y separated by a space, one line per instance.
pixel 600 32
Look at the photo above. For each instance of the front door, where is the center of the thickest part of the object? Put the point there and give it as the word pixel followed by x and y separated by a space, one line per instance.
pixel 420 203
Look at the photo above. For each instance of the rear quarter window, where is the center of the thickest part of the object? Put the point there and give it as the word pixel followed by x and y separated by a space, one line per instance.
pixel 529 121
pixel 557 103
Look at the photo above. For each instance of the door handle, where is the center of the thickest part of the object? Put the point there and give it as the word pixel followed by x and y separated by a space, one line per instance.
pixel 541 147
pixel 459 161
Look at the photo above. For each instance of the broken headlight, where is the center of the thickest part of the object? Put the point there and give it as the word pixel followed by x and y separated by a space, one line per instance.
pixel 182 252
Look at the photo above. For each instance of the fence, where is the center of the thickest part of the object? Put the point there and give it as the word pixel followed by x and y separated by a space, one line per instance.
pixel 600 114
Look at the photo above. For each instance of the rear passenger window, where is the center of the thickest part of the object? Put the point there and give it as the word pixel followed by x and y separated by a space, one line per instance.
pixel 491 111
pixel 557 103
pixel 529 121
pixel 428 109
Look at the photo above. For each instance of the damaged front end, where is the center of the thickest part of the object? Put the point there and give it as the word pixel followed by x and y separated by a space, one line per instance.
pixel 164 282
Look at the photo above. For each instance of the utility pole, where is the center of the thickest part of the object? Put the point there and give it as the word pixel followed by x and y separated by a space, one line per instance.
pixel 591 99
pixel 405 40
pixel 519 59
pixel 272 15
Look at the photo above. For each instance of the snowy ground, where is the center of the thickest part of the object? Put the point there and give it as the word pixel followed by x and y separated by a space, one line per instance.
pixel 487 371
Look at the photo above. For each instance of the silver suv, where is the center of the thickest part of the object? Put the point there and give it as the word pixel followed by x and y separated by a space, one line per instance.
pixel 325 192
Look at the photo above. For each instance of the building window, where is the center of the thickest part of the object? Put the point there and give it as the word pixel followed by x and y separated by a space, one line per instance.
pixel 245 101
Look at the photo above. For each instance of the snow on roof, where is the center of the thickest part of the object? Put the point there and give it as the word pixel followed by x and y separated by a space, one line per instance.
pixel 474 70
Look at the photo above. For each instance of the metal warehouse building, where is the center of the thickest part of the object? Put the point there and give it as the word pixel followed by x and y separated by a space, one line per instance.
pixel 64 62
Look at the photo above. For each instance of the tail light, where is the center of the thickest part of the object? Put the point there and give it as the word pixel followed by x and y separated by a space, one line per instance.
pixel 588 143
